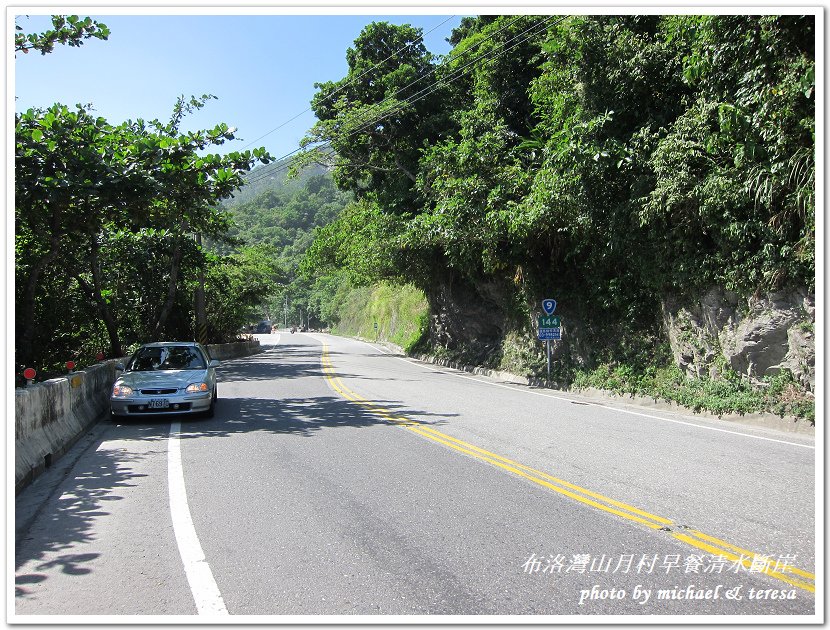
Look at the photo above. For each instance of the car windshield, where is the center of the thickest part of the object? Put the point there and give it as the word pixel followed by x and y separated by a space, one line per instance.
pixel 166 358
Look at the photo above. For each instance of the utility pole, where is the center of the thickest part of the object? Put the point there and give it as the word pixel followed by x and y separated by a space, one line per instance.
pixel 285 314
pixel 201 315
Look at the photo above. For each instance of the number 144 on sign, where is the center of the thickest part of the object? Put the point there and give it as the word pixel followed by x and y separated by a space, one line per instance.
pixel 549 321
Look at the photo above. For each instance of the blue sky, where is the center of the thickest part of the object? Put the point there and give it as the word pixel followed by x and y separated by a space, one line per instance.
pixel 262 68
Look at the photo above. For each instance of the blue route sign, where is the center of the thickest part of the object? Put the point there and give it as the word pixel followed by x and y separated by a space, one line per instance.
pixel 550 334
pixel 549 306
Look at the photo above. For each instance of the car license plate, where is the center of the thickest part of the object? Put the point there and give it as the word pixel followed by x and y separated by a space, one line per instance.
pixel 159 403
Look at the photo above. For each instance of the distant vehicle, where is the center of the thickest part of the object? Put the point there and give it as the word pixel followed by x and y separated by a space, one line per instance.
pixel 166 378
pixel 263 327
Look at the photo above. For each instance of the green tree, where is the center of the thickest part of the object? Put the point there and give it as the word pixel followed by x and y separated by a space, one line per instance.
pixel 735 175
pixel 68 184
pixel 77 176
pixel 67 29
pixel 236 287
pixel 83 185
pixel 612 159
pixel 374 121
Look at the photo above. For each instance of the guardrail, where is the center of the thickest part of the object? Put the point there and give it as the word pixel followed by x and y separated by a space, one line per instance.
pixel 51 416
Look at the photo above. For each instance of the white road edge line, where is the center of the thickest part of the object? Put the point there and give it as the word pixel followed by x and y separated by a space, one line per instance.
pixel 452 372
pixel 202 585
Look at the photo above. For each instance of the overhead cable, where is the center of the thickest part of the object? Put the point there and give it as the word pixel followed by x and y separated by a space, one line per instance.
pixel 456 74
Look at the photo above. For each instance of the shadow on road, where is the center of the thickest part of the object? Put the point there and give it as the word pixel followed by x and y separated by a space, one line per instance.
pixel 297 416
pixel 296 361
pixel 102 475
pixel 98 479
pixel 304 362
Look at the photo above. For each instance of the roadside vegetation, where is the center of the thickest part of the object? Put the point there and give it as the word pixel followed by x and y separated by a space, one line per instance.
pixel 385 312
pixel 105 221
pixel 727 394
pixel 280 215
pixel 609 161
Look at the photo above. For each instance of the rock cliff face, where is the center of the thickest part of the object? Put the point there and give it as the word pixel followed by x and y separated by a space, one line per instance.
pixel 467 317
pixel 757 337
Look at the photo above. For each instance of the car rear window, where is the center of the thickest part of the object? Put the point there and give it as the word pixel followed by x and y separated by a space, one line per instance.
pixel 166 358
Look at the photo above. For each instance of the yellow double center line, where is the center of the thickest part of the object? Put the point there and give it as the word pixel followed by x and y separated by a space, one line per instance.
pixel 710 544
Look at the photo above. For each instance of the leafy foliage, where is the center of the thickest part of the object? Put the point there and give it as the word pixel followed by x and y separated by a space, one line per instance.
pixel 283 218
pixel 631 155
pixel 104 221
pixel 727 395
pixel 738 166
pixel 374 121
pixel 236 286
pixel 399 312
pixel 607 160
pixel 67 29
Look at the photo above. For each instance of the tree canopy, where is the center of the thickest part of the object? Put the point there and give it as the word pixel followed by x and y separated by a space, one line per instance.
pixel 608 159
pixel 104 221
pixel 68 30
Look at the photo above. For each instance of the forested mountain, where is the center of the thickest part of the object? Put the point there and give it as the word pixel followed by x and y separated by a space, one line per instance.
pixel 278 215
pixel 283 215
pixel 277 175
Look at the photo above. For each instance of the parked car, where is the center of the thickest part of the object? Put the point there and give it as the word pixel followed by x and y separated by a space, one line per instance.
pixel 166 378
pixel 263 328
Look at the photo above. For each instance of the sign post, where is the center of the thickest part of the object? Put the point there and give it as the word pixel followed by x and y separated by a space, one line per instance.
pixel 550 328
pixel 547 381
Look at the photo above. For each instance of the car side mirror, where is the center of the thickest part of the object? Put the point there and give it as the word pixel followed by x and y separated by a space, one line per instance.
pixel 119 367
pixel 214 363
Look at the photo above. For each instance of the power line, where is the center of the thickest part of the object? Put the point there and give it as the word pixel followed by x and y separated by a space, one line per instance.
pixel 362 74
pixel 460 72
pixel 419 79
pixel 456 74
pixel 447 62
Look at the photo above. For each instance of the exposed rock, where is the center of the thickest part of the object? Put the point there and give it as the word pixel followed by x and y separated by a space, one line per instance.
pixel 467 317
pixel 757 337
pixel 472 321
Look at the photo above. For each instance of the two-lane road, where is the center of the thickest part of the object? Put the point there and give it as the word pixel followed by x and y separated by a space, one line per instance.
pixel 337 479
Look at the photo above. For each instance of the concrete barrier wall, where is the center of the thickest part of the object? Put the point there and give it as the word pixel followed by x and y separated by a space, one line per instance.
pixel 51 416
pixel 223 351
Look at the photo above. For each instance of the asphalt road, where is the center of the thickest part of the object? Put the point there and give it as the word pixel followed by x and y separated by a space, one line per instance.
pixel 338 479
